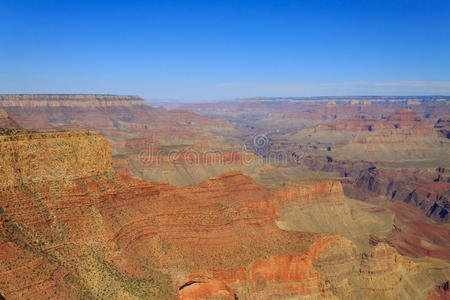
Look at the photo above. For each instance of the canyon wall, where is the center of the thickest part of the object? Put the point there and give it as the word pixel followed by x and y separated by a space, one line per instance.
pixel 443 127
pixel 131 128
pixel 407 120
pixel 75 100
pixel 6 121
pixel 427 189
pixel 72 227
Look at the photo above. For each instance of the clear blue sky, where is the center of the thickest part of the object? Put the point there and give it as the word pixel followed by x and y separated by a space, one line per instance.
pixel 200 50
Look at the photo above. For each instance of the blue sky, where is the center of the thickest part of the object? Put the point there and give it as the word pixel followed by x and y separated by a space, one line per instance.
pixel 206 50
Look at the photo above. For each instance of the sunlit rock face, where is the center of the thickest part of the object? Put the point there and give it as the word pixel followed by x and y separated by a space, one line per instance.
pixel 70 227
pixel 132 128
pixel 55 100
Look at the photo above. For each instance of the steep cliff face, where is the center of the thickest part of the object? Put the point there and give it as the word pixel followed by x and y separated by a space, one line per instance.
pixel 55 100
pixel 427 189
pixel 406 122
pixel 443 126
pixel 99 112
pixel 331 267
pixel 322 207
pixel 280 276
pixel 131 127
pixel 376 273
pixel 6 121
pixel 311 192
pixel 313 108
pixel 403 136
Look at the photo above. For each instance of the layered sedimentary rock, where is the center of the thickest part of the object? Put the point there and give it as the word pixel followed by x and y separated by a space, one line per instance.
pixel 332 267
pixel 345 153
pixel 443 127
pixel 418 198
pixel 87 232
pixel 320 206
pixel 427 189
pixel 68 100
pixel 99 234
pixel 82 231
pixel 51 230
pixel 105 113
pixel 440 292
pixel 407 120
pixel 131 128
pixel 270 111
pixel 186 164
pixel 6 121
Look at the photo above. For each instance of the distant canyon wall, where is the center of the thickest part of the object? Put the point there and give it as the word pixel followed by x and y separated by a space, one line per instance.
pixel 75 100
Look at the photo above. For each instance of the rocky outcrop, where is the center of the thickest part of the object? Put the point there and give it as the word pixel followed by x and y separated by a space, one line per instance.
pixel 331 267
pixel 311 192
pixel 6 121
pixel 427 189
pixel 441 292
pixel 348 169
pixel 330 211
pixel 28 158
pixel 443 127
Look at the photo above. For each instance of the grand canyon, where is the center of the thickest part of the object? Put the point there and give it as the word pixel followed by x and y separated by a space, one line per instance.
pixel 213 150
pixel 107 196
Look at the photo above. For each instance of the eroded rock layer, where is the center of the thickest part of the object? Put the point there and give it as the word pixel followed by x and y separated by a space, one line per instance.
pixel 83 231
pixel 132 128
pixel 427 189
pixel 80 100
pixel 6 121
pixel 406 120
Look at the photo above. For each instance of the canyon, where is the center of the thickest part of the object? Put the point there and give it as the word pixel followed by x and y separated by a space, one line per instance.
pixel 81 230
pixel 104 197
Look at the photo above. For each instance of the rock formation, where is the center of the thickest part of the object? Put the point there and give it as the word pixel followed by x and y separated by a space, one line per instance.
pixel 407 121
pixel 6 121
pixel 67 100
pixel 427 189
pixel 443 127
pixel 70 227
pixel 130 126
pixel 74 224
